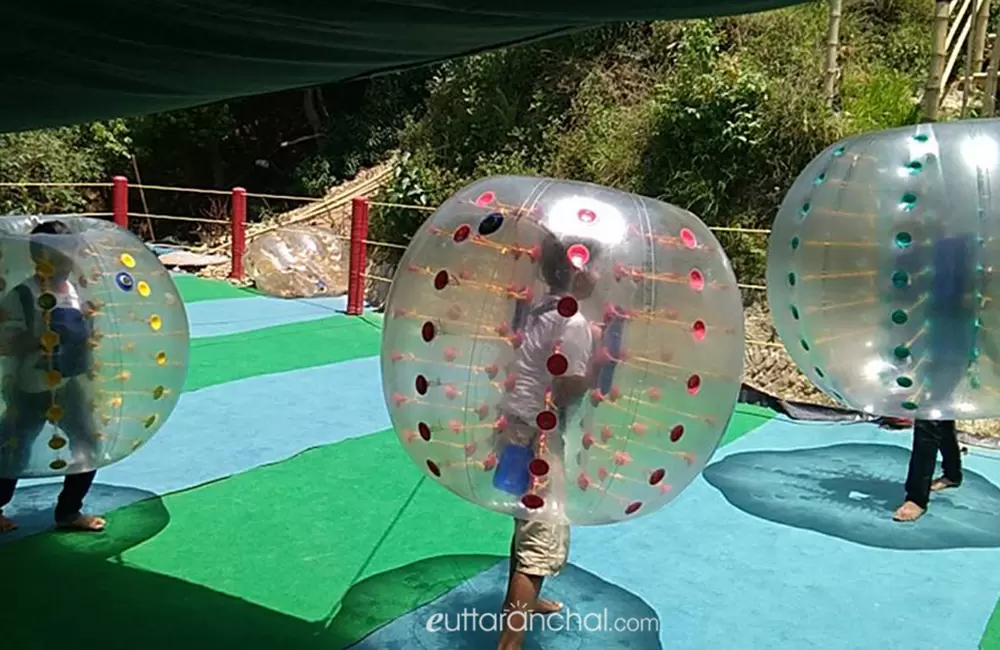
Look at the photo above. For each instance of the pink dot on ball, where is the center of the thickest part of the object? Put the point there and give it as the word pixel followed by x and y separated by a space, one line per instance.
pixel 441 280
pixel 657 476
pixel 676 433
pixel 557 364
pixel 698 330
pixel 546 420
pixel 696 280
pixel 462 233
pixel 567 306
pixel 486 199
pixel 422 384
pixel 532 501
pixel 688 238
pixel 432 466
pixel 538 467
pixel 586 216
pixel 578 255
pixel 633 507
pixel 425 431
pixel 428 331
pixel 694 384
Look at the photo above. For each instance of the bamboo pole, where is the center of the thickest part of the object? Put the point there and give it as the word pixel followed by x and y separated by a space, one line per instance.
pixel 832 51
pixel 970 52
pixel 979 35
pixel 932 92
pixel 989 95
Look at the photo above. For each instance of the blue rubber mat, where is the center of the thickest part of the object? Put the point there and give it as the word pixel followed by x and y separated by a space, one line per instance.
pixel 788 543
pixel 216 317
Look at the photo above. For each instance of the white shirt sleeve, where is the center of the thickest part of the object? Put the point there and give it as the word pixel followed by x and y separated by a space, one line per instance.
pixel 577 346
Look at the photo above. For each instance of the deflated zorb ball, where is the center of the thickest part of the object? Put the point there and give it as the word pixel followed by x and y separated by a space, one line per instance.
pixel 882 271
pixel 562 351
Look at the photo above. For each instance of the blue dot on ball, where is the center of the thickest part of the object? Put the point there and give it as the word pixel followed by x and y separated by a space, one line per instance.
pixel 490 224
pixel 124 281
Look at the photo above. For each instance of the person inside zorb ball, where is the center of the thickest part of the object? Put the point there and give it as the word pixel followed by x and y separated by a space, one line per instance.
pixel 562 352
pixel 93 344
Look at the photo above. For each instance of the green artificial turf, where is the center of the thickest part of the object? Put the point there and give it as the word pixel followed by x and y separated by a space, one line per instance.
pixel 195 289
pixel 218 359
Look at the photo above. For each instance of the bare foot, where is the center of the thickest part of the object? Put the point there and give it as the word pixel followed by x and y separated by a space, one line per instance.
pixel 943 483
pixel 83 523
pixel 6 525
pixel 546 606
pixel 909 511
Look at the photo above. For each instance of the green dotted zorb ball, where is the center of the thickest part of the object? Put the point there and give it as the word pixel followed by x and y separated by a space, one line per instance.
pixel 94 343
pixel 881 271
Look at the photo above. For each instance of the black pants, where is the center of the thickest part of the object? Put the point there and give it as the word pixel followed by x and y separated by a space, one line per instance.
pixel 21 425
pixel 929 437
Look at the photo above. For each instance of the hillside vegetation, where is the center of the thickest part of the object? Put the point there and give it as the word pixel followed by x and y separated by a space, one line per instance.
pixel 717 116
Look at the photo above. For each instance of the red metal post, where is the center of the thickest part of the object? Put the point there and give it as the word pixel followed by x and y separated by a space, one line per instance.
pixel 119 200
pixel 358 258
pixel 239 233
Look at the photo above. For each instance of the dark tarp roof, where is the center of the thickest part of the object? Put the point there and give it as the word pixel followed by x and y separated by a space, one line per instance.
pixel 69 61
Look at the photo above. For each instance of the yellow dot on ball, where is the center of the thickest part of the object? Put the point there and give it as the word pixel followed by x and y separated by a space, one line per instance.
pixel 127 260
pixel 52 378
pixel 161 358
pixel 44 269
pixel 57 442
pixel 150 421
pixel 54 413
pixel 57 464
pixel 49 340
pixel 124 375
pixel 143 289
pixel 136 444
pixel 105 420
pixel 155 322
pixel 158 392
pixel 115 401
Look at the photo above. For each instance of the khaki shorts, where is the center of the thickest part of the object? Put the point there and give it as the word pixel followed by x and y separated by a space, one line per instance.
pixel 539 548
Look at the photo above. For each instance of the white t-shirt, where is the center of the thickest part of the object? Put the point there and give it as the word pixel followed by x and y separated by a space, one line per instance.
pixel 545 334
pixel 29 369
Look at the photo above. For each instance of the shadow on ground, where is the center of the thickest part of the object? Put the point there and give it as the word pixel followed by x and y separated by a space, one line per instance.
pixel 850 491
pixel 595 611
pixel 32 507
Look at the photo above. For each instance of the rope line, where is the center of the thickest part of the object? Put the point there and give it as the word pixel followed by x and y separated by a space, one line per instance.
pixel 25 185
pixel 170 217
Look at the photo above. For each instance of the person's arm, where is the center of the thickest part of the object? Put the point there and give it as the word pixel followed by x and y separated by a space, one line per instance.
pixel 14 336
pixel 576 345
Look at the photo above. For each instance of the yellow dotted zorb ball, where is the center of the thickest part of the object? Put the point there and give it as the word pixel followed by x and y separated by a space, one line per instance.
pixel 93 345
pixel 881 271
pixel 562 351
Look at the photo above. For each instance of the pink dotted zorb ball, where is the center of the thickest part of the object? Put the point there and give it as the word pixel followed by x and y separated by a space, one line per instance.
pixel 562 351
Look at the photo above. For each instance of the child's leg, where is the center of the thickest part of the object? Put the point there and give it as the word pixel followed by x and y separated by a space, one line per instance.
pixel 951 456
pixel 19 427
pixel 80 427
pixel 539 550
pixel 923 457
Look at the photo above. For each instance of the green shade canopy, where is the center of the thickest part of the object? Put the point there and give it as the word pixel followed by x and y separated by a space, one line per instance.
pixel 67 62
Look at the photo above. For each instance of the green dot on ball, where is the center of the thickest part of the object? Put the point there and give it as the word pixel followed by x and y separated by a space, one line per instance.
pixel 975 382
pixel 791 279
pixel 921 137
pixel 915 166
pixel 839 151
pixel 903 239
pixel 905 382
pixel 819 179
pixel 795 243
pixel 899 317
pixel 901 352
pixel 900 279
pixel 804 344
pixel 795 312
pixel 819 372
pixel 804 210
pixel 909 406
